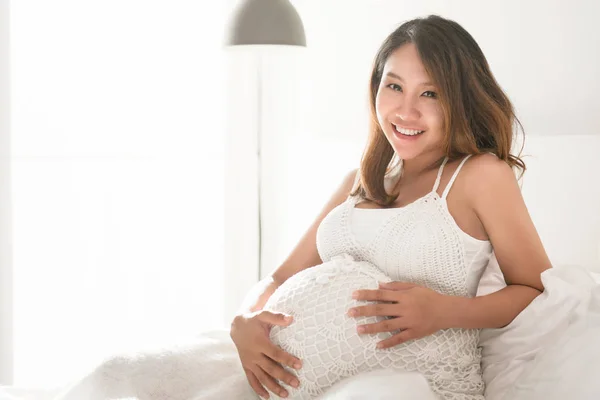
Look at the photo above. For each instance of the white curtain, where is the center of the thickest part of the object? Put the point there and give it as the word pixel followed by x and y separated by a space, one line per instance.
pixel 118 166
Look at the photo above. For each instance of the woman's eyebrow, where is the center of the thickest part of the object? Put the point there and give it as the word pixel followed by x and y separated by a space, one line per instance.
pixel 393 75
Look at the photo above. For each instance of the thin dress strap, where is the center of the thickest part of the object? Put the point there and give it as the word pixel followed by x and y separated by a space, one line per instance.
pixel 449 185
pixel 439 175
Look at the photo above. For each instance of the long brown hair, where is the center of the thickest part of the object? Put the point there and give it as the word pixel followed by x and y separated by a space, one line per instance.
pixel 478 116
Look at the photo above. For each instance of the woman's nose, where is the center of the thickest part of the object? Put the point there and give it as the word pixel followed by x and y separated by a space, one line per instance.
pixel 407 111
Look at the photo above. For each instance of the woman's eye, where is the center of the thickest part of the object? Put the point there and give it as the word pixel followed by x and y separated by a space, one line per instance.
pixel 431 94
pixel 395 87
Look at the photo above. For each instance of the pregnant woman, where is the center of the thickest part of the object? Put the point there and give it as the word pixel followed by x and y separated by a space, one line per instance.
pixel 434 195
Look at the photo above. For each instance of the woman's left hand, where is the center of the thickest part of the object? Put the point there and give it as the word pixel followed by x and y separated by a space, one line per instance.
pixel 415 310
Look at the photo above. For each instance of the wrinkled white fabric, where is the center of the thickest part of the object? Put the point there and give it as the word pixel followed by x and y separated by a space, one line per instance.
pixel 547 350
pixel 206 367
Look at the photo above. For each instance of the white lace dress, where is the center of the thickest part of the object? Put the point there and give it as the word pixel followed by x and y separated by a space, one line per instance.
pixel 419 243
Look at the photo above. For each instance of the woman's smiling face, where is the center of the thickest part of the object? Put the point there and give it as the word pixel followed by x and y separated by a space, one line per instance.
pixel 407 106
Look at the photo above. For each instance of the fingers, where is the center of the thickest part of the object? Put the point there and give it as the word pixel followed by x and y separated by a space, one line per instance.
pixel 382 326
pixel 376 295
pixel 279 355
pixel 397 339
pixel 386 310
pixel 268 381
pixel 278 372
pixel 278 319
pixel 255 384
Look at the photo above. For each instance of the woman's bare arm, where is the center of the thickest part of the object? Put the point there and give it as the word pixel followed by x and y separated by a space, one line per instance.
pixel 499 204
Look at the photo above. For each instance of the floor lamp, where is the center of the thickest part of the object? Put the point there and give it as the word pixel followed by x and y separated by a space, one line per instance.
pixel 264 23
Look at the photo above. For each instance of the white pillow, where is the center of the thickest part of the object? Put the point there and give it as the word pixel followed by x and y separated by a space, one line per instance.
pixel 569 368
pixel 508 352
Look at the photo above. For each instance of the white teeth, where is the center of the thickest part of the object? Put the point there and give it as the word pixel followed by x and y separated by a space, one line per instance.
pixel 408 132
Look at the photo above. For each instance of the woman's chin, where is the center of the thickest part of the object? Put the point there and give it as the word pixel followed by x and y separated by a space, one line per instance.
pixel 403 150
pixel 404 153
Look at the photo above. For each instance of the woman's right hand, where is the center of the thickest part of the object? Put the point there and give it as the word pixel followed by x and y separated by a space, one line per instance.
pixel 261 359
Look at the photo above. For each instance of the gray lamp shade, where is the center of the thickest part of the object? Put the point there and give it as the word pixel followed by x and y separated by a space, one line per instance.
pixel 265 22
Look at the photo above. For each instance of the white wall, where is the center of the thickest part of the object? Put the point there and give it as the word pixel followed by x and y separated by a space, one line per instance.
pixel 562 193
pixel 543 53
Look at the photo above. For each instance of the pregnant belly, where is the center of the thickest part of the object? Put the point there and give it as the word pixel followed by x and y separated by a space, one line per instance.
pixel 325 338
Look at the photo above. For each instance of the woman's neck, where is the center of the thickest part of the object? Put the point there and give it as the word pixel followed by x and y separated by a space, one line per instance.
pixel 412 169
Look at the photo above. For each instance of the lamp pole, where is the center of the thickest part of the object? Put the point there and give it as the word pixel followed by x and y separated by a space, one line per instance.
pixel 264 23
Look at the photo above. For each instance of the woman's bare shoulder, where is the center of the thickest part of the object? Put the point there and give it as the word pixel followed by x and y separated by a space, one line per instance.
pixel 486 172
